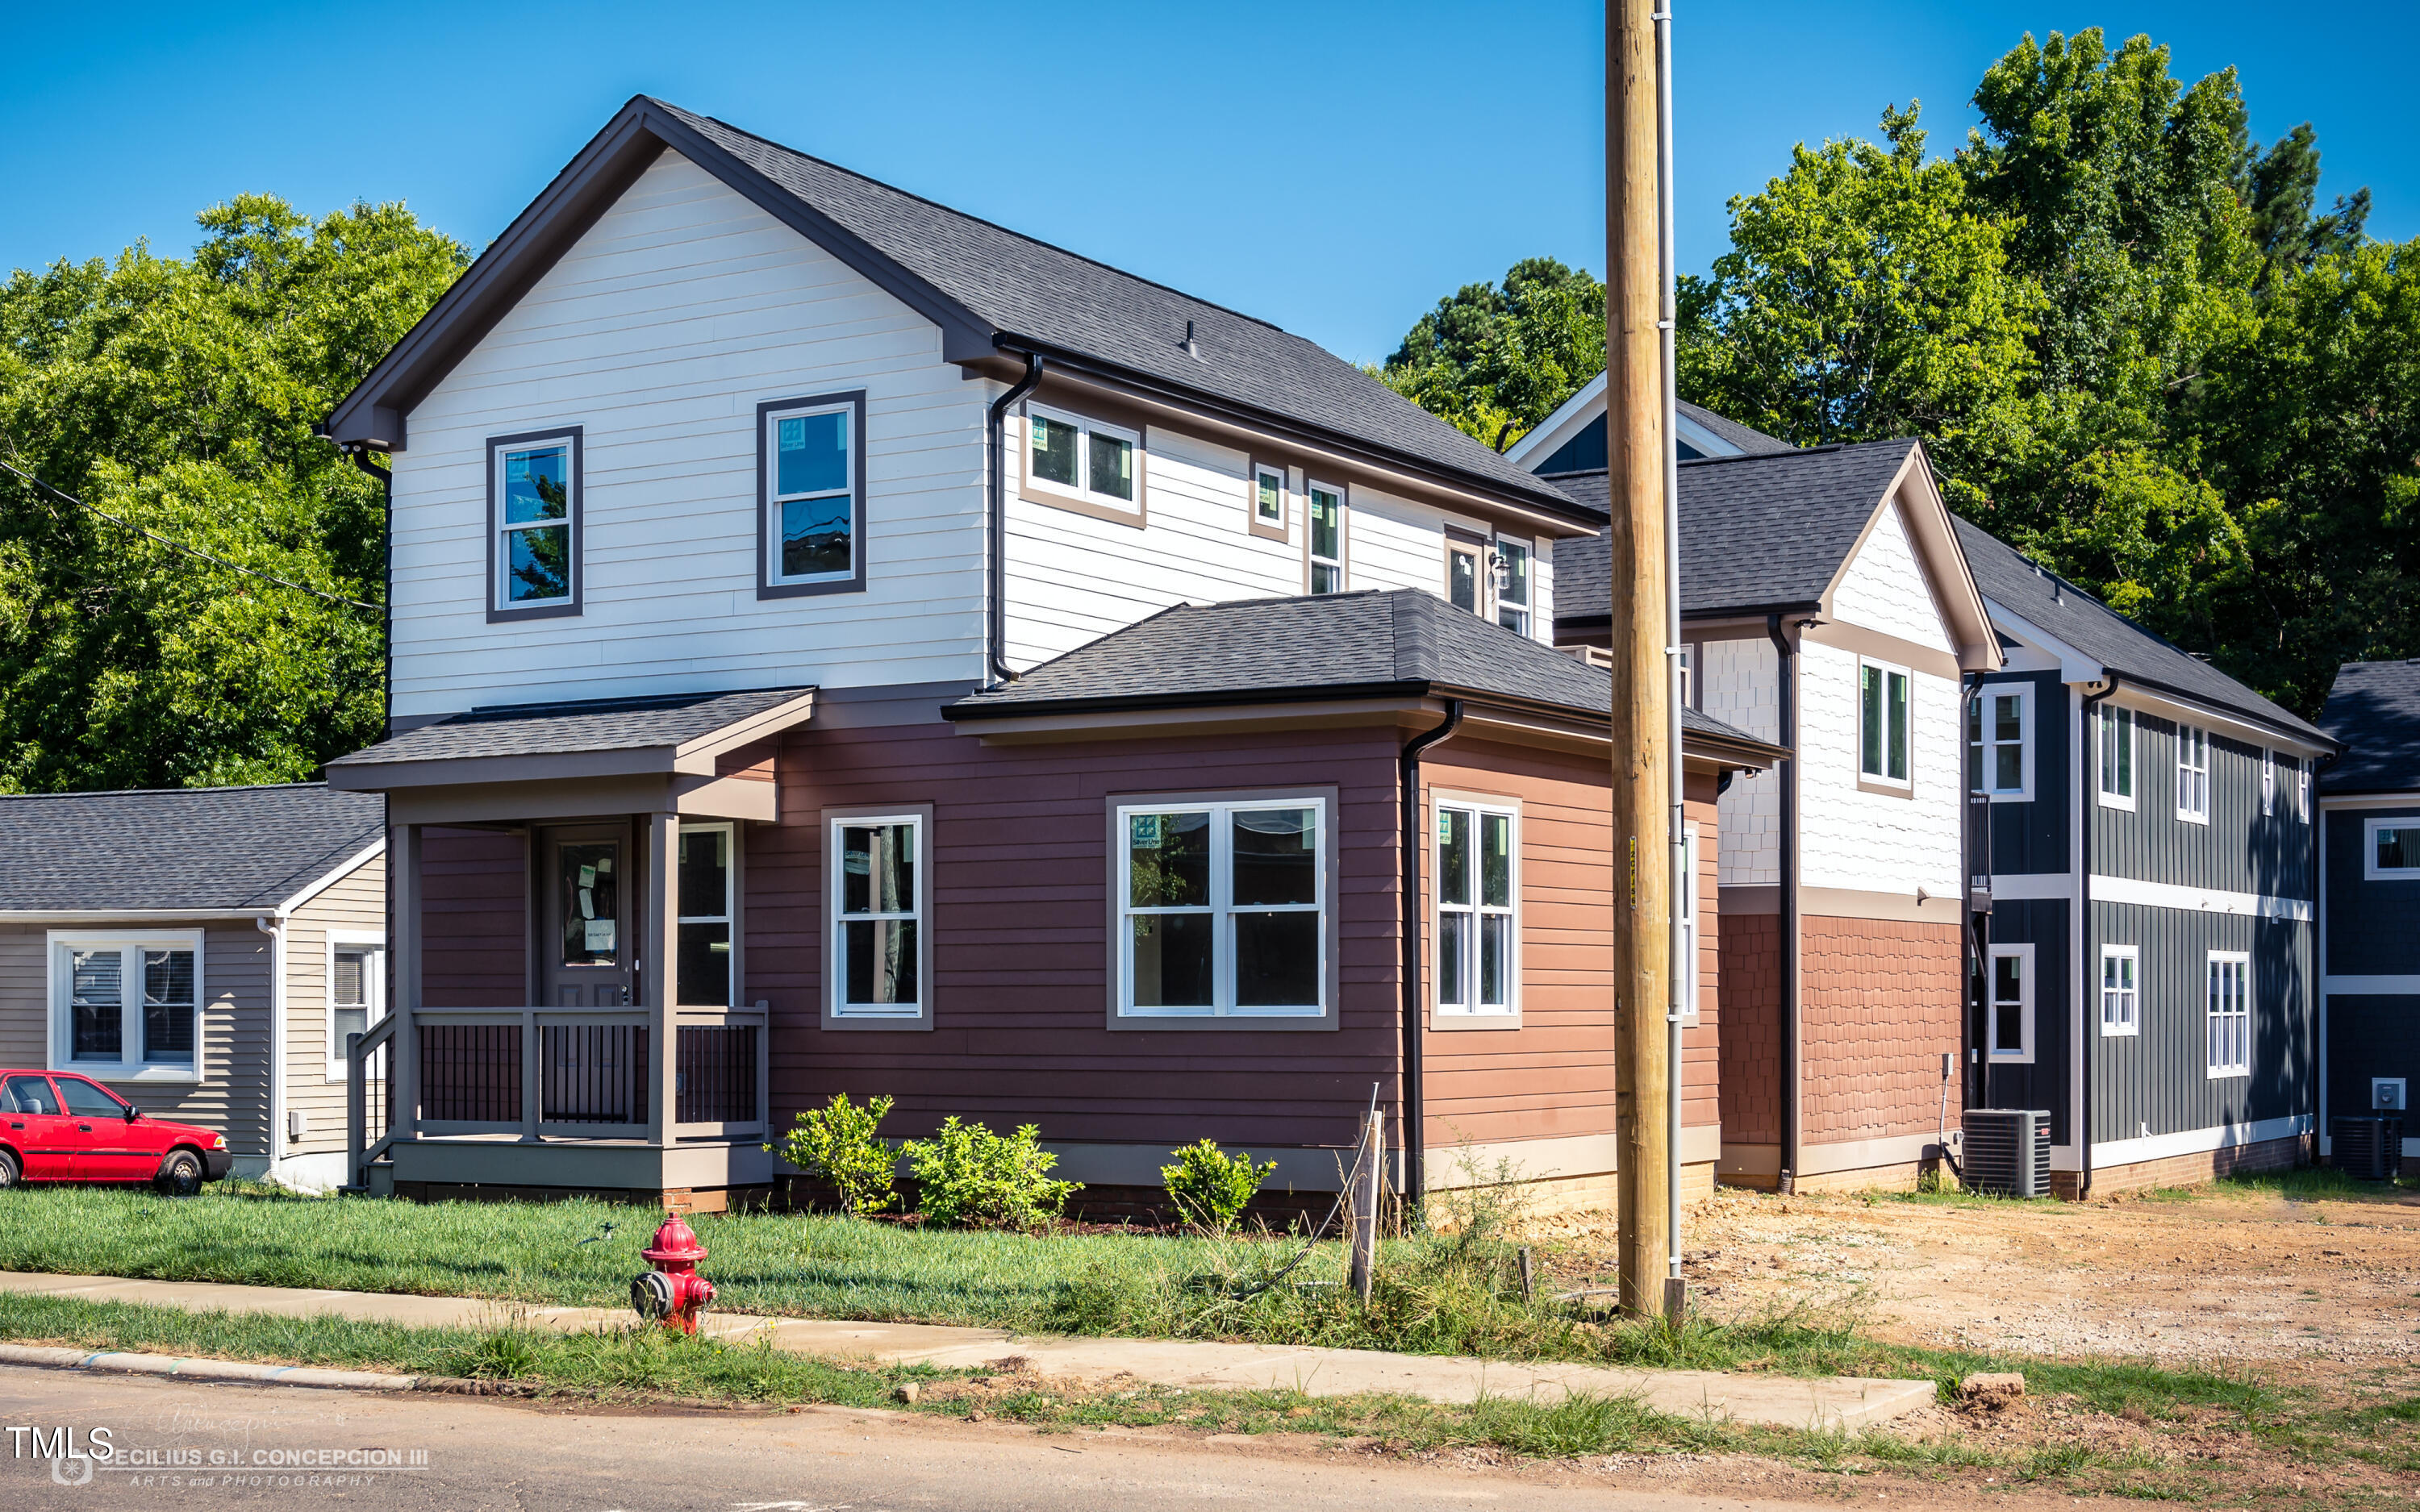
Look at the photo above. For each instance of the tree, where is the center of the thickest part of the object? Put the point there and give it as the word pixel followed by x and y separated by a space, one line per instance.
pixel 180 397
pixel 1495 361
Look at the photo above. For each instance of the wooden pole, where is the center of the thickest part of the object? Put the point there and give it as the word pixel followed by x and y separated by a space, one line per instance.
pixel 1642 755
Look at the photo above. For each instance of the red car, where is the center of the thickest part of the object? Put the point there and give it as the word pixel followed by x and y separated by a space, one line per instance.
pixel 55 1127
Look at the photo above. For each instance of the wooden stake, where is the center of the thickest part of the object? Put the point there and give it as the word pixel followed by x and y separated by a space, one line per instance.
pixel 1365 1206
pixel 1642 770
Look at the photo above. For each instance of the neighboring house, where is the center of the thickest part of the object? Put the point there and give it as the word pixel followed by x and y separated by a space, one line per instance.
pixel 180 945
pixel 2369 899
pixel 1825 607
pixel 732 495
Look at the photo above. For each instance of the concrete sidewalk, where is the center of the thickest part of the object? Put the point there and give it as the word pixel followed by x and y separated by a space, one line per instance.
pixel 1779 1401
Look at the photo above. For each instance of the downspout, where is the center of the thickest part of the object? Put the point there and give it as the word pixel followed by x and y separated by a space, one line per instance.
pixel 2318 1000
pixel 273 925
pixel 2086 1020
pixel 1679 974
pixel 1787 1181
pixel 1974 937
pixel 996 668
pixel 1409 1120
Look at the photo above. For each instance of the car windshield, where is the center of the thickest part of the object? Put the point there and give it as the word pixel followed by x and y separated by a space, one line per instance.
pixel 86 1101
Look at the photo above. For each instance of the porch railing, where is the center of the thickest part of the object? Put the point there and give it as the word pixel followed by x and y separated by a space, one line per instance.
pixel 543 1073
pixel 369 1099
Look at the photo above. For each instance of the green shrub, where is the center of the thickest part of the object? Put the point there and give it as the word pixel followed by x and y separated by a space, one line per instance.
pixel 972 1176
pixel 1211 1187
pixel 837 1143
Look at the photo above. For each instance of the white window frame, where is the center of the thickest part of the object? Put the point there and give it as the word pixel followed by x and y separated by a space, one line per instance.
pixel 1985 747
pixel 1500 572
pixel 2268 784
pixel 2105 767
pixel 1690 653
pixel 1693 982
pixel 1312 489
pixel 2224 968
pixel 837 1005
pixel 2193 774
pixel 1221 1007
pixel 2024 955
pixel 1476 806
pixel 1263 472
pixel 768 442
pixel 1086 427
pixel 2302 772
pixel 2127 1000
pixel 729 918
pixel 129 1066
pixel 1889 671
pixel 2371 870
pixel 373 991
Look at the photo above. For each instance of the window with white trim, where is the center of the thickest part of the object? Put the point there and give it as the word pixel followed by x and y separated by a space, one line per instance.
pixel 1883 696
pixel 2193 774
pixel 2230 1013
pixel 2391 850
pixel 2009 1005
pixel 1462 574
pixel 1222 908
pixel 1693 983
pixel 2117 757
pixel 1083 458
pixel 1326 538
pixel 815 501
pixel 1478 922
pixel 878 916
pixel 356 995
pixel 1269 496
pixel 2302 805
pixel 707 882
pixel 1999 755
pixel 2121 999
pixel 127 1007
pixel 1512 582
pixel 2268 784
pixel 1689 676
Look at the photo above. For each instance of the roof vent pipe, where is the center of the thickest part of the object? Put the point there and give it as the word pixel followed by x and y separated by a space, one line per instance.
pixel 1190 350
pixel 996 519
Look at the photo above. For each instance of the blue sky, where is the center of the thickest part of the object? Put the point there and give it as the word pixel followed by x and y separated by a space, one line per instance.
pixel 1332 169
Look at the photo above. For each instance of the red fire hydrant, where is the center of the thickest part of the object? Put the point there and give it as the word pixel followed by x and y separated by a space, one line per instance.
pixel 673 1293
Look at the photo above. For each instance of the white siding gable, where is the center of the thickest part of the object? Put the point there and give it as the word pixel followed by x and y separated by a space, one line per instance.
pixel 1886 587
pixel 1740 685
pixel 662 330
pixel 1854 838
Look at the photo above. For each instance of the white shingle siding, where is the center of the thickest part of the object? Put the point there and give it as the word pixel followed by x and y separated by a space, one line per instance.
pixel 1886 588
pixel 1871 841
pixel 674 315
pixel 1739 687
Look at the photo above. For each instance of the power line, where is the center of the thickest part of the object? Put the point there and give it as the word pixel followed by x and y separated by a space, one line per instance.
pixel 189 550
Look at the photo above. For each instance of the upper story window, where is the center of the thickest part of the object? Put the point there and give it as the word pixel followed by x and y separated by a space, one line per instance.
pixel 1478 929
pixel 880 960
pixel 2193 774
pixel 1512 584
pixel 533 525
pixel 1883 722
pixel 2302 805
pixel 2392 852
pixel 1998 754
pixel 1087 464
pixel 1326 538
pixel 810 472
pixel 2010 1032
pixel 1272 501
pixel 2116 744
pixel 127 1007
pixel 2229 1021
pixel 1461 570
pixel 1222 908
pixel 1689 677
pixel 2268 784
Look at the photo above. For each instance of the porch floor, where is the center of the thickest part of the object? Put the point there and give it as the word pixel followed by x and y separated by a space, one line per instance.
pixel 1832 1402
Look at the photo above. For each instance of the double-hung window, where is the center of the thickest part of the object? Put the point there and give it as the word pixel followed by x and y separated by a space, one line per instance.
pixel 1478 928
pixel 811 477
pixel 1997 752
pixel 1686 968
pixel 1088 464
pixel 356 994
pixel 1462 554
pixel 1512 584
pixel 2117 743
pixel 1883 692
pixel 2010 1033
pixel 2230 1013
pixel 1271 500
pixel 533 525
pixel 880 959
pixel 706 881
pixel 127 1008
pixel 2268 784
pixel 1326 538
pixel 2392 853
pixel 1222 908
pixel 2193 774
pixel 2121 999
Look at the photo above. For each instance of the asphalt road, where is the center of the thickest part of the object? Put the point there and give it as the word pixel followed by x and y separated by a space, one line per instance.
pixel 188 1444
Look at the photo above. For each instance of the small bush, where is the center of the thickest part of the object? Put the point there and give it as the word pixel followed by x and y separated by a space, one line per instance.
pixel 972 1176
pixel 1210 1187
pixel 837 1142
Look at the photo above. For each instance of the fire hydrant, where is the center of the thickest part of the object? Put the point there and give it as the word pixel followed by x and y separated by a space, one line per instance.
pixel 673 1293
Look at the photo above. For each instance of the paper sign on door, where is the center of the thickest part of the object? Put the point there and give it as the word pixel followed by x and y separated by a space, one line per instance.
pixel 600 935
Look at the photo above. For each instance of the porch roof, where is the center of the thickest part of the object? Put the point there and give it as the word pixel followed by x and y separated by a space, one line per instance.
pixel 671 733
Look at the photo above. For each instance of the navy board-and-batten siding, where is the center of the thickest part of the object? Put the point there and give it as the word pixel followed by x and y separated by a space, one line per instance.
pixel 2371 970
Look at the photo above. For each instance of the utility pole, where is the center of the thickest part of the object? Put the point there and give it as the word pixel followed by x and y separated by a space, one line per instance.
pixel 1645 757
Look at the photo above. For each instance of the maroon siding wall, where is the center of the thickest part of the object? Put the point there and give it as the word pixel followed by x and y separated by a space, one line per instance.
pixel 475 919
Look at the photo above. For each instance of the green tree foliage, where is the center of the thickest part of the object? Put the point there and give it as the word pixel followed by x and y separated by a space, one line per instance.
pixel 179 396
pixel 1496 361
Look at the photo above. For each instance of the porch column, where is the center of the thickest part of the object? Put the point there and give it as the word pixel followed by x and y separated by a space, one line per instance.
pixel 658 961
pixel 403 1055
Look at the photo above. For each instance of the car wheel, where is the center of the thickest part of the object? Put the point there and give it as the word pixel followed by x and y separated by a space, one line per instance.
pixel 10 1173
pixel 180 1174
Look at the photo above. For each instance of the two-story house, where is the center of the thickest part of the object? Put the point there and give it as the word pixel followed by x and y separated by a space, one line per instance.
pixel 1825 607
pixel 2369 900
pixel 842 644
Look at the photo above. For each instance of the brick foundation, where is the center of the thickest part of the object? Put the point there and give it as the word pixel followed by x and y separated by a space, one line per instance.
pixel 2186 1170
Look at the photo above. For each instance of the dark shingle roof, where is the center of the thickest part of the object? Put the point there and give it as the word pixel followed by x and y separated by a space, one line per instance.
pixel 1030 288
pixel 561 728
pixel 1337 646
pixel 2009 578
pixel 1745 438
pixel 173 848
pixel 1757 532
pixel 2374 708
